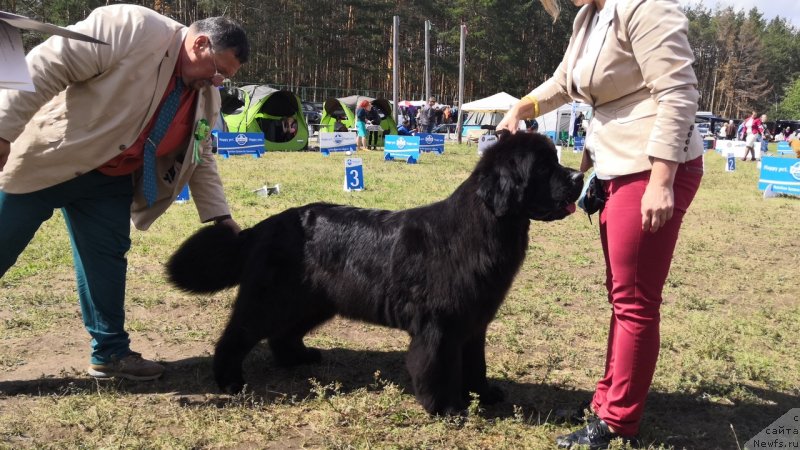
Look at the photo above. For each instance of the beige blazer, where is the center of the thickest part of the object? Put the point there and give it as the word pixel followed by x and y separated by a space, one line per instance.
pixel 92 101
pixel 640 82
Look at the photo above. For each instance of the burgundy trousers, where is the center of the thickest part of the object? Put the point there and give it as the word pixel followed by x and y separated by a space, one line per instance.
pixel 637 264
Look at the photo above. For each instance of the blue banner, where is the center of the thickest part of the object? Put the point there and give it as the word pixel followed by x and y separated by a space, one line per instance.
pixel 784 148
pixel 431 142
pixel 405 148
pixel 183 196
pixel 578 145
pixel 240 144
pixel 783 174
pixel 336 142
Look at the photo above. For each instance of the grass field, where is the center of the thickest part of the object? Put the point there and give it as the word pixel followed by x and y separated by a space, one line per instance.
pixel 728 364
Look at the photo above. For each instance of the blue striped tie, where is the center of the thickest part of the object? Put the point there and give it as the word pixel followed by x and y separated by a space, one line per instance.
pixel 164 119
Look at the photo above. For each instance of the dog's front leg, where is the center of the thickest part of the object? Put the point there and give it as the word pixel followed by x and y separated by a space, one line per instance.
pixel 243 332
pixel 474 370
pixel 434 362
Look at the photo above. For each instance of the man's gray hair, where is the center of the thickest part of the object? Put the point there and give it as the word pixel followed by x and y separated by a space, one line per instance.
pixel 225 34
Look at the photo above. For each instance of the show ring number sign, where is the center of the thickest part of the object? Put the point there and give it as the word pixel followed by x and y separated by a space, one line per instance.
pixel 353 174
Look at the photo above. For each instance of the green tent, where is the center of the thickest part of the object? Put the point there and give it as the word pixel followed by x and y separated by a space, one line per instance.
pixel 344 109
pixel 263 111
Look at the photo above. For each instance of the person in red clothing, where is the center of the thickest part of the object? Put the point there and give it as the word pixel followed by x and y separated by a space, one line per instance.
pixel 754 127
pixel 647 155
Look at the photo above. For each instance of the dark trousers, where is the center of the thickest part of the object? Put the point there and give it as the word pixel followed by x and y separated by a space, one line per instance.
pixel 373 139
pixel 96 209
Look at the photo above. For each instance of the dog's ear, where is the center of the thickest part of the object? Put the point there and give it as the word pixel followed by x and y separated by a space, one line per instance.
pixel 502 188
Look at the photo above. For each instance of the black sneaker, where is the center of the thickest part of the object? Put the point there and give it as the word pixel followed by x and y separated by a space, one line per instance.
pixel 595 436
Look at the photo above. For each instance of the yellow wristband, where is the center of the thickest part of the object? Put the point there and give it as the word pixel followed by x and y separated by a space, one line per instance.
pixel 535 102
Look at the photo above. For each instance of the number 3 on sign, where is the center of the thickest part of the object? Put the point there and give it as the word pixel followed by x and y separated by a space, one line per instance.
pixel 353 174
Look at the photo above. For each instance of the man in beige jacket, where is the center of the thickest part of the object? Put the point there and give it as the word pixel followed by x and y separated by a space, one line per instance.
pixel 111 136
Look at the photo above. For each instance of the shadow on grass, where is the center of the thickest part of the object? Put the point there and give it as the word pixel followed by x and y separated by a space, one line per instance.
pixel 672 419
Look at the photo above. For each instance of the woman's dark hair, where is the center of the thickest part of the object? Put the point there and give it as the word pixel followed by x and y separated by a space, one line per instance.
pixel 225 34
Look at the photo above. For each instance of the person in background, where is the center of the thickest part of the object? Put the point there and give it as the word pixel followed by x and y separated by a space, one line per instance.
pixel 412 116
pixel 576 127
pixel 730 132
pixel 650 166
pixel 427 116
pixel 403 129
pixel 339 126
pixel 374 129
pixel 754 127
pixel 362 114
pixel 288 128
pixel 91 142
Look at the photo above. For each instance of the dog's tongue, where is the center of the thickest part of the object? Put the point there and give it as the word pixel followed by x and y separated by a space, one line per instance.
pixel 571 208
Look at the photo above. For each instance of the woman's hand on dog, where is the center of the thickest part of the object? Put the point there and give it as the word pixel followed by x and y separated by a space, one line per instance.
pixel 510 121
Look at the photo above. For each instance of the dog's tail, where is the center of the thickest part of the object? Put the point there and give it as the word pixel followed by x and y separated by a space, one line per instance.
pixel 208 261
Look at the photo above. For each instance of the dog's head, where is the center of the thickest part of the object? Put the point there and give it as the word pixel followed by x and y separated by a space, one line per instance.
pixel 520 176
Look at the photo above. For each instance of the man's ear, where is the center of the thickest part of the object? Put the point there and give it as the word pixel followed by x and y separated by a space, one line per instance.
pixel 201 43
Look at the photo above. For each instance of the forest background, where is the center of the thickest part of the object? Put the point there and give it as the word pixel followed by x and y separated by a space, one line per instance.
pixel 334 48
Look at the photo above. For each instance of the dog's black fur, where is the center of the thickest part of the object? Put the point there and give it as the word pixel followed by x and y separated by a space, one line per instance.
pixel 440 271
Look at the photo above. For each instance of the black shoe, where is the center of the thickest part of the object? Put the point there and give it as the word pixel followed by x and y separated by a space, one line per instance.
pixel 595 436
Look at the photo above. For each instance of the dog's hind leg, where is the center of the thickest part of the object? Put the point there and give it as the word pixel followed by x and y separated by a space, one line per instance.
pixel 474 371
pixel 434 362
pixel 287 345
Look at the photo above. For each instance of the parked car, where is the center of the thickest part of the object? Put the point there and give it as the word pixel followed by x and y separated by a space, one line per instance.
pixel 311 113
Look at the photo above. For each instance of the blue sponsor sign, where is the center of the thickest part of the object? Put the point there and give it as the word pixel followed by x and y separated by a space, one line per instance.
pixel 579 143
pixel 782 174
pixel 431 142
pixel 240 144
pixel 353 174
pixel 336 142
pixel 184 195
pixel 784 148
pixel 404 148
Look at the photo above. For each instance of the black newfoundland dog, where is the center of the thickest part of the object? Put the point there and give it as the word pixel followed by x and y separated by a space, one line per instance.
pixel 440 271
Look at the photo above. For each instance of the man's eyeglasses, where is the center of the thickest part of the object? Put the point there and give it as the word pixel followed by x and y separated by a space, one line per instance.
pixel 217 79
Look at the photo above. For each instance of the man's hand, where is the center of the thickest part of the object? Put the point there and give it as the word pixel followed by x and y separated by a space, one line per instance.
pixel 5 150
pixel 230 223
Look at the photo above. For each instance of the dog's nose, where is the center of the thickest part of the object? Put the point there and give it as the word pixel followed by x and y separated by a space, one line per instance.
pixel 576 176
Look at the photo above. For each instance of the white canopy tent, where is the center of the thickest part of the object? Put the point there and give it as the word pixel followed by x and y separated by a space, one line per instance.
pixel 489 110
pixel 558 120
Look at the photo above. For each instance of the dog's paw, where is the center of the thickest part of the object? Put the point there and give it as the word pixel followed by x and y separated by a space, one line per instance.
pixel 492 395
pixel 231 387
